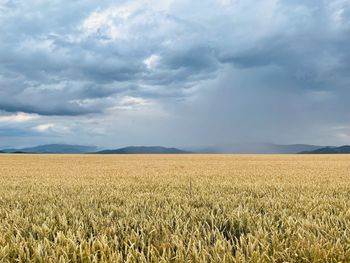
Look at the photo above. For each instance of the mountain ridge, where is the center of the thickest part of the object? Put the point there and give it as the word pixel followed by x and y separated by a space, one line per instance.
pixel 345 149
pixel 143 150
pixel 235 148
pixel 53 149
pixel 256 148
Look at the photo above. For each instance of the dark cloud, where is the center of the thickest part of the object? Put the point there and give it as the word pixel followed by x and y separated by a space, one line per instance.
pixel 235 66
pixel 57 62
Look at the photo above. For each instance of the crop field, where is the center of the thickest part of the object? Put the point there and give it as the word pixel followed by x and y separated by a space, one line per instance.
pixel 174 208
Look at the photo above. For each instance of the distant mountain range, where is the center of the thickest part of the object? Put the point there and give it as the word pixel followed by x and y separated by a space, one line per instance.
pixel 79 149
pixel 54 148
pixel 330 150
pixel 232 149
pixel 256 148
pixel 143 150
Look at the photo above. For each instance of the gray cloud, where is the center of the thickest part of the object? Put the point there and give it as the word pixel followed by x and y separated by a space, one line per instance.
pixel 267 70
pixel 58 62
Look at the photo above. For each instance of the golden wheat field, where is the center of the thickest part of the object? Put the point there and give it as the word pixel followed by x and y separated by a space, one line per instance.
pixel 174 208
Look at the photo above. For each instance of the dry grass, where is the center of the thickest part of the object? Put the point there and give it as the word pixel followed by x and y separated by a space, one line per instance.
pixel 76 208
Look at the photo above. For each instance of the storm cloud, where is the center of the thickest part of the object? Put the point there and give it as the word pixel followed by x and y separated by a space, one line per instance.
pixel 175 72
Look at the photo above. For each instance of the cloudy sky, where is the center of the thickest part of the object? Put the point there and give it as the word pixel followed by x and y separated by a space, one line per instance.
pixel 174 72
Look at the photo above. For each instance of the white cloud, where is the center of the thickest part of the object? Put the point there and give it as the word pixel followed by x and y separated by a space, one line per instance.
pixel 44 127
pixel 132 103
pixel 18 117
pixel 56 128
pixel 110 22
pixel 152 61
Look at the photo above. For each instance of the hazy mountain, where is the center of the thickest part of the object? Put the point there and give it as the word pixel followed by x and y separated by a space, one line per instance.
pixel 290 149
pixel 54 148
pixel 239 148
pixel 330 150
pixel 143 150
pixel 12 150
pixel 256 148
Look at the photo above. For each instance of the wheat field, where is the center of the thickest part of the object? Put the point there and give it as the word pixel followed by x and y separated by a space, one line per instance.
pixel 174 208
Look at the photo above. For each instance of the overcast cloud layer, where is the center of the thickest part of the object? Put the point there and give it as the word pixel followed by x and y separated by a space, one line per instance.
pixel 177 73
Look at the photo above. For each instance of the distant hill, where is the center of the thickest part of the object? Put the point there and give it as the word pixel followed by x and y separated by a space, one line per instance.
pixel 143 150
pixel 256 148
pixel 330 150
pixel 239 148
pixel 294 148
pixel 54 148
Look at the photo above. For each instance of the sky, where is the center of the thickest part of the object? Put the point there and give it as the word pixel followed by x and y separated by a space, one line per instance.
pixel 174 72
